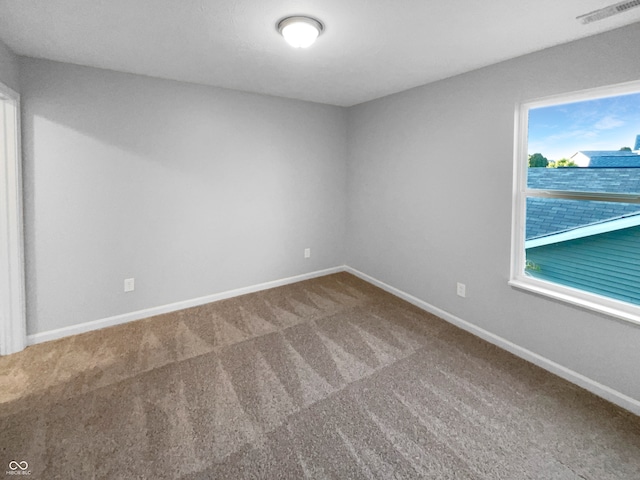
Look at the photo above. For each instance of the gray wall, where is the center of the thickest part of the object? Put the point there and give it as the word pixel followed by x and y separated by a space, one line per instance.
pixel 195 190
pixel 430 191
pixel 8 68
pixel 189 189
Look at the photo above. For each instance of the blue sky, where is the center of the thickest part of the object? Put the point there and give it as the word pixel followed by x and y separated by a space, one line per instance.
pixel 559 131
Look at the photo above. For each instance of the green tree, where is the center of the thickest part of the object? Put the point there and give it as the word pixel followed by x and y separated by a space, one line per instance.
pixel 625 149
pixel 538 160
pixel 562 163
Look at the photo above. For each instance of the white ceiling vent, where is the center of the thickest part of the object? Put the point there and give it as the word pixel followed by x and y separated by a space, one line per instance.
pixel 608 11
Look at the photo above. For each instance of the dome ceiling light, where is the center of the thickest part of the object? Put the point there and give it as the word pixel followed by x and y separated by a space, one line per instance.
pixel 300 31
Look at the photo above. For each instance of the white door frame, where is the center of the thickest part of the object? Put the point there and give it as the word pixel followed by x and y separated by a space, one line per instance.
pixel 13 326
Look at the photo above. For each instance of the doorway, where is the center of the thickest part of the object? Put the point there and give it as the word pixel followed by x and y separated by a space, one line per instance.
pixel 12 287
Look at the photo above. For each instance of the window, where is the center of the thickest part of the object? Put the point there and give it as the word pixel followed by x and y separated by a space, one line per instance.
pixel 576 215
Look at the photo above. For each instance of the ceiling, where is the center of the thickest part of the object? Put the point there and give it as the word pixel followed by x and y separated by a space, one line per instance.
pixel 369 49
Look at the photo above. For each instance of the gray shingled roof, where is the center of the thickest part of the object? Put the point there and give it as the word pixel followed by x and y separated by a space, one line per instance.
pixel 615 161
pixel 612 180
pixel 547 216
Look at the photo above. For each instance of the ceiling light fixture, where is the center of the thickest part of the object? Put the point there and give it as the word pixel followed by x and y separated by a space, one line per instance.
pixel 299 31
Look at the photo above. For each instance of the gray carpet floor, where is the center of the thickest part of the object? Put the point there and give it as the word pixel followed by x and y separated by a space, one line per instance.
pixel 329 378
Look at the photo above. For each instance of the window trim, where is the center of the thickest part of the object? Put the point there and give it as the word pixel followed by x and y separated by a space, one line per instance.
pixel 12 285
pixel 591 301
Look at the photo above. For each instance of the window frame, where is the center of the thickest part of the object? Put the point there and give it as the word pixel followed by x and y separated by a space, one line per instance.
pixel 518 279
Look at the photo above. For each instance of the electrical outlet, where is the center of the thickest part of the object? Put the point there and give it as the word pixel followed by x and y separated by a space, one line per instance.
pixel 307 252
pixel 461 290
pixel 129 284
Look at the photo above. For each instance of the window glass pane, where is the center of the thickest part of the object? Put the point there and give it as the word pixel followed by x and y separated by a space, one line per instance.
pixel 592 145
pixel 593 246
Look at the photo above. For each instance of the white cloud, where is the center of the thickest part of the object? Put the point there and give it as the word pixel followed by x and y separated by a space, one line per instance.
pixel 570 134
pixel 608 122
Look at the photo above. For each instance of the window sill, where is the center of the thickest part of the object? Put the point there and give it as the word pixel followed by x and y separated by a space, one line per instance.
pixel 581 299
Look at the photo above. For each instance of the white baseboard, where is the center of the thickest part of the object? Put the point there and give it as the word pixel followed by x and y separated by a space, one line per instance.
pixel 594 387
pixel 150 312
pixel 597 388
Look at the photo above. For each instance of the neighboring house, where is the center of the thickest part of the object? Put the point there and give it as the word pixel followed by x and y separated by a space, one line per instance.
pixel 609 158
pixel 591 245
pixel 606 159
